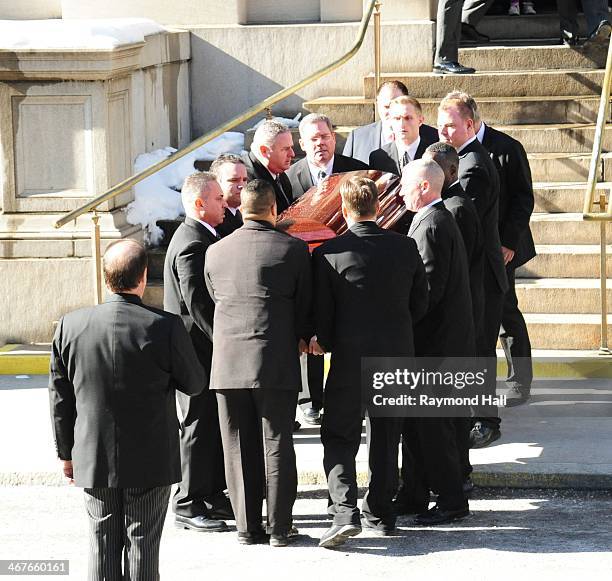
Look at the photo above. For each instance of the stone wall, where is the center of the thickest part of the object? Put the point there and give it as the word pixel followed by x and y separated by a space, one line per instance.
pixel 30 9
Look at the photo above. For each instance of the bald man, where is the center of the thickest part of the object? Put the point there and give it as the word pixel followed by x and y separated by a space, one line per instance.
pixel 430 454
pixel 114 371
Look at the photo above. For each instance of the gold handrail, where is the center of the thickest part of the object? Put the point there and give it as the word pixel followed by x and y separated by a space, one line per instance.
pixel 275 98
pixel 604 215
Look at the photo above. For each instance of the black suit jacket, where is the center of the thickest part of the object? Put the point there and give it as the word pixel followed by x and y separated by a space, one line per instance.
pixel 370 288
pixel 256 170
pixel 185 293
pixel 515 195
pixel 464 212
pixel 301 180
pixel 114 370
pixel 230 223
pixel 364 140
pixel 387 157
pixel 447 330
pixel 480 181
pixel 261 283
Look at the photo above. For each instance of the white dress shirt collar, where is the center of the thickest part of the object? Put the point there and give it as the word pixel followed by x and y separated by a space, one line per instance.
pixel 411 149
pixel 422 210
pixel 314 170
pixel 481 131
pixel 208 227
pixel 460 149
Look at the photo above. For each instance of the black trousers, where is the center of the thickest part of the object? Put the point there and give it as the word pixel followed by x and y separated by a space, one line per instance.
pixel 203 472
pixel 487 343
pixel 313 369
pixel 594 10
pixel 430 461
pixel 514 339
pixel 125 523
pixel 341 437
pixel 257 433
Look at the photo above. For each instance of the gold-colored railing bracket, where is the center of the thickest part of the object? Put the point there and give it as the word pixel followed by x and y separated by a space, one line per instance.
pixel 269 113
pixel 96 256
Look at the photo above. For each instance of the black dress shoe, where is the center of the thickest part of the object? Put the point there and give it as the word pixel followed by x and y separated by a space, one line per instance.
pixel 517 396
pixel 381 529
pixel 337 535
pixel 569 39
pixel 452 68
pixel 253 537
pixel 482 435
pixel 469 33
pixel 312 416
pixel 222 512
pixel 199 523
pixel 440 516
pixel 600 36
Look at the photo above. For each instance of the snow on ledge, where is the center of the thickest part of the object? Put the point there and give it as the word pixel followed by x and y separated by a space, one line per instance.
pixel 75 34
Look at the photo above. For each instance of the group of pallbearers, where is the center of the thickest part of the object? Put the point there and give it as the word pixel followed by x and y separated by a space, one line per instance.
pixel 252 299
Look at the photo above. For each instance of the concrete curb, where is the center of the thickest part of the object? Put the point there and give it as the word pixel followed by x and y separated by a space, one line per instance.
pixel 486 479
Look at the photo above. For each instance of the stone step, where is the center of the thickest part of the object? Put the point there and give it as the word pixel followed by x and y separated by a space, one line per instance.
pixel 567 167
pixel 565 261
pixel 554 197
pixel 564 331
pixel 535 26
pixel 565 227
pixel 497 83
pixel 558 138
pixel 529 58
pixel 347 111
pixel 565 295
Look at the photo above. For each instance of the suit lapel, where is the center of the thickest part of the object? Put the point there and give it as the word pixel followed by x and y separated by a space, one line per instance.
pixel 304 176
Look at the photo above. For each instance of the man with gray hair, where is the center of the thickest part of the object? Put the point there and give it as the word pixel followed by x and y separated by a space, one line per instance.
pixel 270 157
pixel 318 141
pixel 199 502
pixel 447 330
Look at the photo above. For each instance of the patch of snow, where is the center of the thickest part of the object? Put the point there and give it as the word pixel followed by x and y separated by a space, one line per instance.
pixel 101 34
pixel 295 122
pixel 158 196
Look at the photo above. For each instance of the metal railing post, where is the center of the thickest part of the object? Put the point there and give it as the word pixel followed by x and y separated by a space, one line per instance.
pixel 603 278
pixel 96 255
pixel 377 37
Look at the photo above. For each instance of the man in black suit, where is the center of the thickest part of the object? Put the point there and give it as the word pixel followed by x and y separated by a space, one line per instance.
pixel 370 289
pixel 516 204
pixel 231 175
pixel 199 502
pixel 364 140
pixel 318 141
pixel 406 119
pixel 464 212
pixel 430 454
pixel 448 35
pixel 260 280
pixel 480 180
pixel 270 157
pixel 114 371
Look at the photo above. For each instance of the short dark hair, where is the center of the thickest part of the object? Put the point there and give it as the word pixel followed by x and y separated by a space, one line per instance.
pixel 124 264
pixel 444 151
pixel 257 197
pixel 393 85
pixel 360 196
pixel 222 160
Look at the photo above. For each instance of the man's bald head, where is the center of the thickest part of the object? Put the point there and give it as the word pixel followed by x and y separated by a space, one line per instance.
pixel 124 265
pixel 422 182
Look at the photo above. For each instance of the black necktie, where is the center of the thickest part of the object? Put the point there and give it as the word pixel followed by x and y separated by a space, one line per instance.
pixel 405 159
pixel 239 216
pixel 321 176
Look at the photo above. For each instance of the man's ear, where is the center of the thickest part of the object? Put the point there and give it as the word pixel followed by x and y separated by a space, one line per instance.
pixel 344 210
pixel 264 150
pixel 301 142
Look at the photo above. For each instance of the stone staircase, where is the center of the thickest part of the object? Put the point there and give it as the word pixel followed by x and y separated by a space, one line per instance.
pixel 547 97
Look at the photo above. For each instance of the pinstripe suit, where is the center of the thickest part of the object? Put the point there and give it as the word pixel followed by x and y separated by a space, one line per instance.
pixel 114 370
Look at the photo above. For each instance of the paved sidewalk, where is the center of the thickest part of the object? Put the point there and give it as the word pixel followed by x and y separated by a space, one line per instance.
pixel 561 439
pixel 519 535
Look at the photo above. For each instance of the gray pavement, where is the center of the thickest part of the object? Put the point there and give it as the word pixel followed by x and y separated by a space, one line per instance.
pixel 561 438
pixel 514 534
